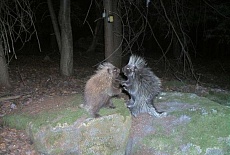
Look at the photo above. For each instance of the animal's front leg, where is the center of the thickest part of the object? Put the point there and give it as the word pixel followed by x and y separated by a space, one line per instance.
pixel 126 83
pixel 131 102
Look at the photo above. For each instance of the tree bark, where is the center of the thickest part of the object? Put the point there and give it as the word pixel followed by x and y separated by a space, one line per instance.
pixel 4 74
pixel 66 63
pixel 117 36
pixel 108 31
pixel 54 23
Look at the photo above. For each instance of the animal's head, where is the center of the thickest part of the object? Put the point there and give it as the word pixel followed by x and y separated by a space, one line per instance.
pixel 111 69
pixel 135 64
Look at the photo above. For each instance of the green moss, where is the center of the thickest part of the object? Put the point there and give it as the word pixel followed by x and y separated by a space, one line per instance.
pixel 58 151
pixel 18 121
pixel 205 130
pixel 174 83
pixel 120 108
pixel 75 101
pixel 53 138
pixel 161 142
pixel 219 97
pixel 58 118
pixel 65 115
pixel 184 98
pixel 202 132
pixel 207 126
pixel 177 97
pixel 68 113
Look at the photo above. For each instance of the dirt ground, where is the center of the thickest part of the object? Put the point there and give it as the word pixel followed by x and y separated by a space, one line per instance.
pixel 38 85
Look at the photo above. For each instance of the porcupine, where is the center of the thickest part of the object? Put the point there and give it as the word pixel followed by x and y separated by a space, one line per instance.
pixel 142 85
pixel 100 88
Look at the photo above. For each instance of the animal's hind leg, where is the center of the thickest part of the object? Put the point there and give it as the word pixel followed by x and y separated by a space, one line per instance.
pixel 109 104
pixel 130 103
pixel 153 112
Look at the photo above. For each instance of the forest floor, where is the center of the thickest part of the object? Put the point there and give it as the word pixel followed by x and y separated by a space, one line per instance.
pixel 37 85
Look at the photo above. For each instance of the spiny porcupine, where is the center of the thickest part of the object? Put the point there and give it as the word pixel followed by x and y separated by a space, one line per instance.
pixel 100 88
pixel 142 85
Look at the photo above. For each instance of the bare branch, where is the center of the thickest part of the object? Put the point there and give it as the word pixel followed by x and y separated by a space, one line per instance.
pixel 215 9
pixel 16 24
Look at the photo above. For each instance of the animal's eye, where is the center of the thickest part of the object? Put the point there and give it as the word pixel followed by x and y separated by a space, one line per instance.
pixel 115 69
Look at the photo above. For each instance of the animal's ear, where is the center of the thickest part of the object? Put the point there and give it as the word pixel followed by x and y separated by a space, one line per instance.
pixel 115 70
pixel 112 70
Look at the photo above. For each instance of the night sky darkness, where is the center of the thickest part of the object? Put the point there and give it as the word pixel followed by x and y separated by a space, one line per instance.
pixel 205 24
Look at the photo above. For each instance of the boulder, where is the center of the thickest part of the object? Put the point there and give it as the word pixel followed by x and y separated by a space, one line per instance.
pixel 194 125
pixel 104 135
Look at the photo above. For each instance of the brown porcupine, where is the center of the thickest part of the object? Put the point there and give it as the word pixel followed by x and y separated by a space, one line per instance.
pixel 100 88
pixel 142 85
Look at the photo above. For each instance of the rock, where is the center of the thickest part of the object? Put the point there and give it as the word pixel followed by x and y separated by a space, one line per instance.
pixel 104 135
pixel 194 125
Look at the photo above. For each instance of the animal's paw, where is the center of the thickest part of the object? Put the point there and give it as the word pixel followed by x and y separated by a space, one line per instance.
pixel 96 115
pixel 157 114
pixel 130 105
pixel 163 114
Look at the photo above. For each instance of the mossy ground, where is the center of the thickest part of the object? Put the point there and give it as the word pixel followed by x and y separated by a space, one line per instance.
pixel 207 126
pixel 216 95
pixel 219 97
pixel 174 83
pixel 204 132
pixel 120 108
pixel 68 113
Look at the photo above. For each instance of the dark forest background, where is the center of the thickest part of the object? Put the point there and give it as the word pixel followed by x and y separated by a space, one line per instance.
pixel 179 34
pixel 50 48
pixel 203 26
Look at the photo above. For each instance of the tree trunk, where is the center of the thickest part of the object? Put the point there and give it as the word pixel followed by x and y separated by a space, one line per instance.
pixel 54 23
pixel 117 36
pixel 4 75
pixel 108 31
pixel 66 63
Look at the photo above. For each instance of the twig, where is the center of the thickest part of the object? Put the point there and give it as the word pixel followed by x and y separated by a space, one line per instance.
pixel 9 98
pixel 88 12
